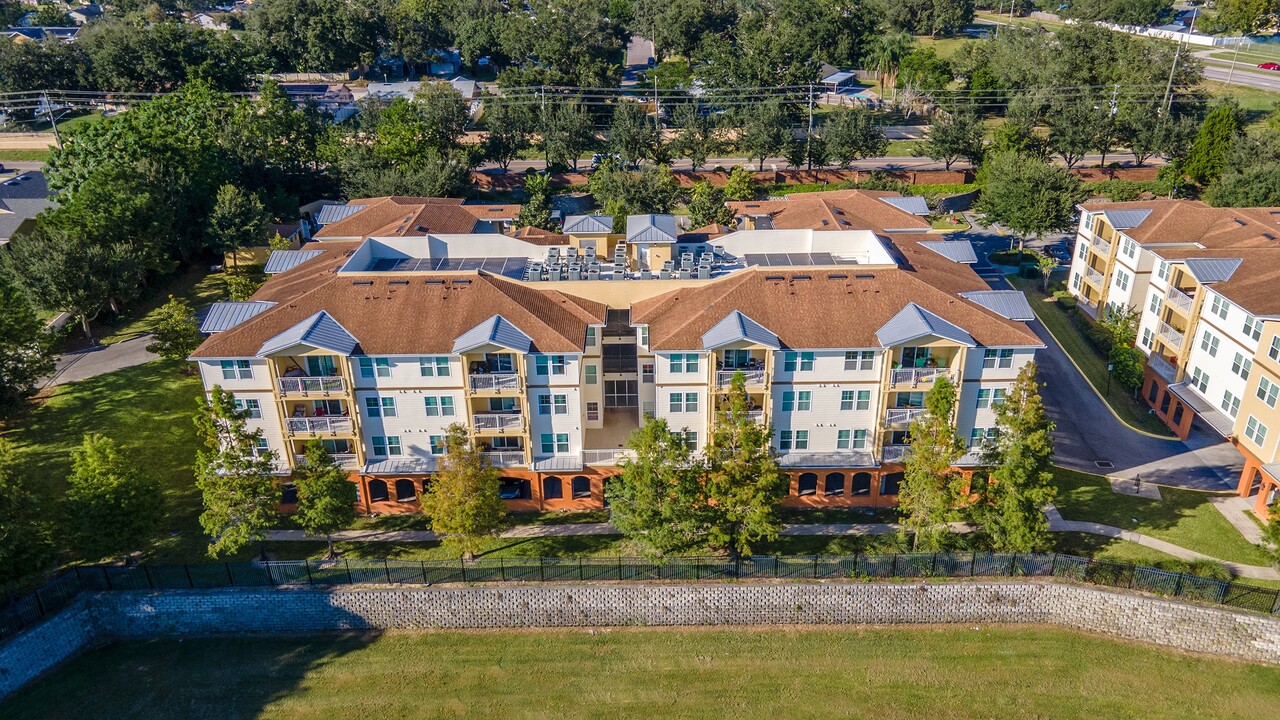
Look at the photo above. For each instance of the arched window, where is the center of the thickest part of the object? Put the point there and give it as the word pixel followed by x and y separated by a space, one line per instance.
pixel 889 483
pixel 834 484
pixel 808 484
pixel 378 491
pixel 552 489
pixel 288 494
pixel 861 484
pixel 1153 392
pixel 405 490
pixel 513 488
pixel 581 487
pixel 426 485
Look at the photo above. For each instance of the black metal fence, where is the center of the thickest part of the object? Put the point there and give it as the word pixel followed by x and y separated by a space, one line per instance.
pixel 20 613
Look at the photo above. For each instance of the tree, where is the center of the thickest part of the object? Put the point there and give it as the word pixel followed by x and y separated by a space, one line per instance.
pixel 238 220
pixel 697 138
pixel 706 205
pixel 462 500
pixel 631 134
pixel 922 75
pixel 133 54
pixel 1249 187
pixel 658 500
pixel 886 55
pixel 241 287
pixel 629 192
pixel 444 112
pixel 431 175
pixel 536 211
pixel 508 129
pixel 766 131
pixel 932 17
pixel 1141 128
pixel 1013 136
pixel 316 35
pixel 744 483
pixel 176 332
pixel 326 498
pixel 953 136
pixel 26 543
pixel 1046 264
pixel 1011 507
pixel 234 475
pixel 1247 17
pixel 851 133
pixel 931 488
pixel 1121 12
pixel 1207 158
pixel 565 131
pixel 1119 324
pixel 1027 195
pixel 1075 129
pixel 112 506
pixel 26 350
pixel 740 185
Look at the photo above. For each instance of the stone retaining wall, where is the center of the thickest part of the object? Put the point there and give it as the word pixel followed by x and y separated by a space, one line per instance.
pixel 207 612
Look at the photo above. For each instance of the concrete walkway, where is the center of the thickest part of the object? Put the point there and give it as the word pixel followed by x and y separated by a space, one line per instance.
pixel 1238 512
pixel 100 360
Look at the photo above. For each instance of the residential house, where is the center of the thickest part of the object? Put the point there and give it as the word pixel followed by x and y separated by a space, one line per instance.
pixel 22 197
pixel 411 217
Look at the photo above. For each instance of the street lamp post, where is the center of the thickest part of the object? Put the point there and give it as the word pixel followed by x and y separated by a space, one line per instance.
pixel 1110 367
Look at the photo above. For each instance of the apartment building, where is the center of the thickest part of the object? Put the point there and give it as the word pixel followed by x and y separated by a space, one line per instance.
pixel 1205 281
pixel 552 354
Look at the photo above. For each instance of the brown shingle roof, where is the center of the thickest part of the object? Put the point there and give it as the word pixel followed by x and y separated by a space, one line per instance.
pixel 538 236
pixel 398 216
pixel 1192 221
pixel 833 210
pixel 1254 286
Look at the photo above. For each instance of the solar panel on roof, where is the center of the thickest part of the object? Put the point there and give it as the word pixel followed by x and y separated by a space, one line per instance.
pixel 777 259
pixel 822 259
pixel 384 265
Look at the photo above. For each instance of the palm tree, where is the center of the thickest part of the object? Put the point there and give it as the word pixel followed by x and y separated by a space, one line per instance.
pixel 886 57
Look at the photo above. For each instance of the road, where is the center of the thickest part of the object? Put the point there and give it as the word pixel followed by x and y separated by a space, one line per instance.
pixel 1245 74
pixel 639 50
pixel 884 163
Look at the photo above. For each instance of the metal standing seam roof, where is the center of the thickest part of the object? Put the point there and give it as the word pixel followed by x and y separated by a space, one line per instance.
pixel 736 327
pixel 588 224
pixel 497 330
pixel 401 466
pixel 914 204
pixel 1125 219
pixel 1009 304
pixel 914 322
pixel 319 331
pixel 839 77
pixel 1272 469
pixel 960 251
pixel 281 260
pixel 226 315
pixel 651 229
pixel 845 459
pixel 1210 270
pixel 1205 409
pixel 333 213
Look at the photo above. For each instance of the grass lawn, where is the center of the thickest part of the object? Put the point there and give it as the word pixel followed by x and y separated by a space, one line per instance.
pixel 1052 315
pixel 886 673
pixel 7 155
pixel 195 284
pixel 1255 101
pixel 1184 517
pixel 944 47
pixel 943 222
pixel 904 148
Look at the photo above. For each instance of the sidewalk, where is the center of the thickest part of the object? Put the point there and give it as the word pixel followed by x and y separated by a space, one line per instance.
pixel 100 360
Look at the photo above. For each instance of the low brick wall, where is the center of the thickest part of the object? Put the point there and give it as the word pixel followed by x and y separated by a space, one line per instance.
pixel 295 611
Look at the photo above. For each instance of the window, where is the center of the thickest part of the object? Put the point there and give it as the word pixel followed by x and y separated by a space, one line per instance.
pixel 551 488
pixel 1155 303
pixel 370 367
pixel 997 396
pixel 851 439
pixel 1080 248
pixel 405 490
pixel 378 491
pixel 499 363
pixel 644 335
pixel 555 443
pixel 252 406
pixel 260 447
pixel 1267 392
pixel 984 398
pixel 591 336
pixel 997 358
pixel 784 439
pixel 807 484
pixel 560 404
pixel 686 363
pixel 1128 246
pixel 802 439
pixel 834 484
pixel 380 407
pixel 1075 281
pixel 851 400
pixel 890 483
pixel 580 486
pixel 1122 279
pixel 236 369
pixel 859 360
pixel 439 406
pixel 436 443
pixel 1147 338
pixel 1200 380
pixel 690 439
pixel 684 402
pixel 592 373
pixel 792 361
pixel 804 400
pixel 646 372
pixel 1153 391
pixel 861 484
pixel 504 404
pixel 549 364
pixel 1162 270
pixel 1230 403
pixel 1255 431
pixel 433 366
pixel 788 401
pixel 843 439
pixel 385 446
pixel 1252 327
pixel 1242 366
pixel 593 411
pixel 1219 306
pixel 1274 352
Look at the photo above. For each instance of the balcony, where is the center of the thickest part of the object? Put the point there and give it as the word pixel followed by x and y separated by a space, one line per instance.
pixel 504 458
pixel 915 376
pixel 1093 276
pixel 1087 307
pixel 1102 247
pixel 756 416
pixel 754 376
pixel 347 461
pixel 893 453
pixel 1162 367
pixel 971 458
pixel 1170 335
pixel 308 385
pixel 497 421
pixel 902 416
pixel 1179 300
pixel 601 458
pixel 318 425
pixel 496 383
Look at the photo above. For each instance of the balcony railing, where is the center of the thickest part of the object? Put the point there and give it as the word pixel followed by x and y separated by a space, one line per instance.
pixel 1179 299
pixel 606 457
pixel 899 416
pixel 893 453
pixel 971 458
pixel 754 376
pixel 505 458
pixel 342 460
pixel 1162 367
pixel 915 376
pixel 1093 276
pixel 1101 246
pixel 319 425
pixel 305 385
pixel 1170 335
pixel 755 416
pixel 494 382
pixel 497 421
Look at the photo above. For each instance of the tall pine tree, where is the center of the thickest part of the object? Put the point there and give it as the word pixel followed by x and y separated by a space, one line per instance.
pixel 658 500
pixel 931 488
pixel 234 475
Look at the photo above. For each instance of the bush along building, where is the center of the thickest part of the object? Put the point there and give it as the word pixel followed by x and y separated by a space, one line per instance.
pixel 552 348
pixel 1207 284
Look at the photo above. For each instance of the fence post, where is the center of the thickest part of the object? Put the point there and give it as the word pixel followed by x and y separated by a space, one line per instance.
pixel 1133 570
pixel 933 568
pixel 697 568
pixel 306 563
pixel 271 579
pixel 542 568
pixel 386 567
pixel 815 567
pixel 187 569
pixel 347 563
pixel 1053 566
pixel 777 560
pixel 893 567
pixel 39 602
pixel 231 580
pixel 1013 564
pixel 973 564
pixel 147 572
pixel 462 565
pixel 1177 589
pixel 737 567
pixel 619 567
pixel 422 564
pixel 502 569
pixel 581 575
pixel 107 576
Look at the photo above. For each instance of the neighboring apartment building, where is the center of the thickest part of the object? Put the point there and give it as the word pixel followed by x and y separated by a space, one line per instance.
pixel 1207 283
pixel 411 217
pixel 552 354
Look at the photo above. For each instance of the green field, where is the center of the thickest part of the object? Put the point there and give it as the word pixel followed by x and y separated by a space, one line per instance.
pixel 25 155
pixel 888 674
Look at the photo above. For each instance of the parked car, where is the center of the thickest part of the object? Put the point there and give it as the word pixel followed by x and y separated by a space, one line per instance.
pixel 1061 254
pixel 1269 66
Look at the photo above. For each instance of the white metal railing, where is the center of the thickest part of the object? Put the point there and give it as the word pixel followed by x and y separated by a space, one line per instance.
pixel 754 376
pixel 1162 367
pixel 972 457
pixel 342 460
pixel 756 416
pixel 504 458
pixel 915 376
pixel 497 421
pixel 1093 276
pixel 893 453
pixel 1179 299
pixel 494 381
pixel 325 384
pixel 1170 335
pixel 606 457
pixel 898 416
pixel 319 425
pixel 1102 246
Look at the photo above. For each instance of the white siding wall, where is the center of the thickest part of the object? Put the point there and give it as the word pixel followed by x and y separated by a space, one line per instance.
pixel 1149 321
pixel 1231 340
pixel 406 373
pixel 825 419
pixel 698 421
pixel 973 369
pixel 569 423
pixel 411 423
pixel 211 374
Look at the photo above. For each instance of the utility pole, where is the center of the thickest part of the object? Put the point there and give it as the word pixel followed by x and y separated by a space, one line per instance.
pixel 1167 103
pixel 808 138
pixel 48 109
pixel 1231 73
